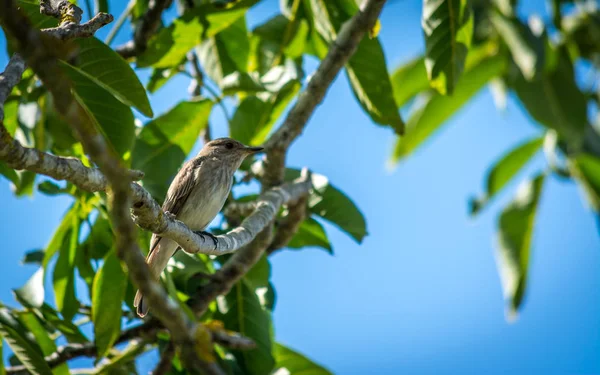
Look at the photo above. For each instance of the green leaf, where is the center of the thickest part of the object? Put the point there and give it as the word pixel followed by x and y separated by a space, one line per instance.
pixel 448 29
pixel 515 226
pixel 33 256
pixel 159 77
pixel 366 70
pixel 100 6
pixel 164 143
pixel 310 233
pixel 2 369
pixel 505 170
pixel 424 121
pixel 99 63
pixel 11 111
pixel 408 80
pixel 331 204
pixel 58 238
pixel 114 118
pixel 22 344
pixel 226 52
pixel 107 297
pixel 526 48
pixel 172 43
pixel 291 362
pixel 33 325
pixel 32 293
pixel 555 101
pixel 63 277
pixel 368 75
pixel 586 169
pixel 31 9
pixel 71 331
pixel 240 311
pixel 9 173
pixel 237 82
pixel 48 187
pixel 100 239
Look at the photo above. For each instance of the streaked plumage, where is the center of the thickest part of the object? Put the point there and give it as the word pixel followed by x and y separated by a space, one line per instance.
pixel 195 197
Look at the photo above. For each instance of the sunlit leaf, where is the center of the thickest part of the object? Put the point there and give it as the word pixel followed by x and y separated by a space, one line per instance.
pixel 107 297
pixel 448 29
pixel 515 232
pixel 63 277
pixel 505 169
pixel 290 362
pixel 310 233
pixel 31 321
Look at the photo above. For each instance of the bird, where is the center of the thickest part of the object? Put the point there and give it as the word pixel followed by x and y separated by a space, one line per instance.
pixel 195 197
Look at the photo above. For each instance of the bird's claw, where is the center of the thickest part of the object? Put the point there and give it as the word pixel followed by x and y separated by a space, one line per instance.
pixel 170 215
pixel 212 237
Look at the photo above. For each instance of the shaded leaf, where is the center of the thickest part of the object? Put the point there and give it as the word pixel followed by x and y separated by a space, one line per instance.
pixel 22 344
pixel 555 101
pixel 424 121
pixel 33 256
pixel 31 9
pixel 164 143
pixel 172 43
pixel 63 277
pixel 291 362
pixel 32 293
pixel 159 77
pixel 331 204
pixel 408 80
pixel 100 239
pixel 448 29
pixel 526 48
pixel 48 187
pixel 310 233
pixel 108 69
pixel 33 325
pixel 515 232
pixel 71 331
pixel 58 238
pixel 115 119
pixel 240 311
pixel 505 169
pixel 107 297
pixel 586 169
pixel 226 52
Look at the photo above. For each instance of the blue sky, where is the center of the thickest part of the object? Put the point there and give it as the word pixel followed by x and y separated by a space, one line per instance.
pixel 421 294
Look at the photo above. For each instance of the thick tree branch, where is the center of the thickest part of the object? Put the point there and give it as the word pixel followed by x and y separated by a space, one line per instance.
pixel 339 53
pixel 44 61
pixel 146 27
pixel 289 225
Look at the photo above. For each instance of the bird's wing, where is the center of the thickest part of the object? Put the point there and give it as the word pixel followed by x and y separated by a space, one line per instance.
pixel 178 193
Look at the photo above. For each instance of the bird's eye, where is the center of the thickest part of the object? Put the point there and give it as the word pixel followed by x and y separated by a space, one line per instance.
pixel 229 145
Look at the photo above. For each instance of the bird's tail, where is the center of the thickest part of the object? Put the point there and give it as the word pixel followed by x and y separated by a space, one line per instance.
pixel 157 261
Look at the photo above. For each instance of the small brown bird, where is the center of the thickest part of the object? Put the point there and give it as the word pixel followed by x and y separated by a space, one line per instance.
pixel 195 197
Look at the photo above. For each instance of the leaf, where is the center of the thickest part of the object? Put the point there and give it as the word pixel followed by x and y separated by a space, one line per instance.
pixel 63 277
pixel 526 48
pixel 172 43
pixel 32 293
pixel 515 226
pixel 100 239
pixel 366 70
pixel 332 205
pixel 240 311
pixel 107 297
pixel 408 80
pixel 290 362
pixel 31 9
pixel 448 29
pixel 100 6
pixel 48 187
pixel 368 75
pixel 60 233
pixel 586 169
pixel 226 52
pixel 555 101
pixel 33 256
pixel 11 110
pixel 159 77
pixel 33 325
pixel 310 233
pixel 505 170
pixel 164 143
pixel 22 344
pixel 114 118
pixel 99 63
pixel 71 331
pixel 426 120
pixel 9 173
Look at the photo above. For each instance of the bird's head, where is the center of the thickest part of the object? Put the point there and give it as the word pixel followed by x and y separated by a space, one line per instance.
pixel 228 150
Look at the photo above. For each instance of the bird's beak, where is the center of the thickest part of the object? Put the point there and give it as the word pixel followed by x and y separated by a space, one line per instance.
pixel 254 150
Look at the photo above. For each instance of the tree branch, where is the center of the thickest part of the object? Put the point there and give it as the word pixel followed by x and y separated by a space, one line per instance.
pixel 289 225
pixel 147 26
pixel 339 53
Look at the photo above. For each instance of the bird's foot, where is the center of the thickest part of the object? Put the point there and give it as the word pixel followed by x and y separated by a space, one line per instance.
pixel 170 215
pixel 212 237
